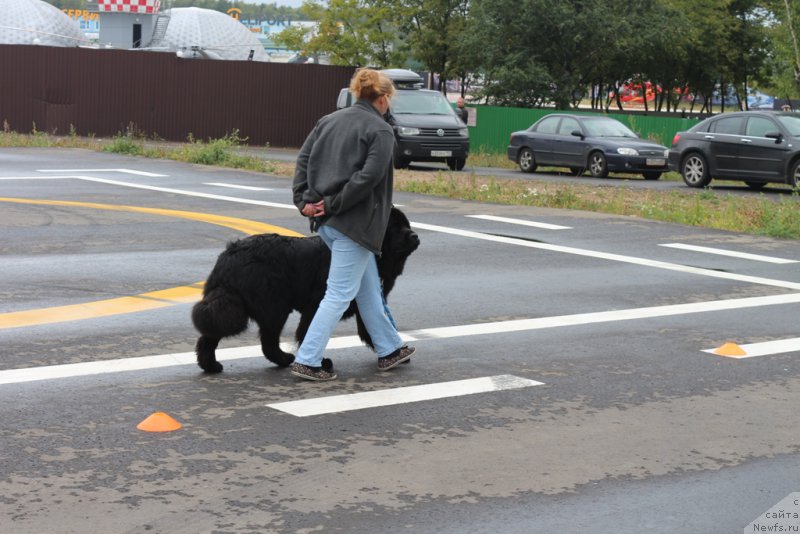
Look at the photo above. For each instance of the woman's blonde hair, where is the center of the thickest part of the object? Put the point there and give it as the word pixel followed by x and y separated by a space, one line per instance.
pixel 370 85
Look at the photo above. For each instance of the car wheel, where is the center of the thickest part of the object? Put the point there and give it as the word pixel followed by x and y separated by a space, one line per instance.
pixel 794 177
pixel 597 165
pixel 400 162
pixel 695 170
pixel 456 164
pixel 756 185
pixel 651 175
pixel 526 160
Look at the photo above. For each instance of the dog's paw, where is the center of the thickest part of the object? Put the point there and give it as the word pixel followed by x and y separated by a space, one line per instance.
pixel 283 359
pixel 212 368
pixel 327 364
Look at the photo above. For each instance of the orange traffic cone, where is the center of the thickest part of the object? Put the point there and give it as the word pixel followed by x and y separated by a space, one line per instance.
pixel 730 349
pixel 159 422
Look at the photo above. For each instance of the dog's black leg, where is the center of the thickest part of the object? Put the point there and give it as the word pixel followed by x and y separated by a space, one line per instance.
pixel 206 356
pixel 270 340
pixel 362 332
pixel 302 326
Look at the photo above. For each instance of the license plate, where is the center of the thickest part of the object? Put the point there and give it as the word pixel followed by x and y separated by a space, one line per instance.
pixel 441 153
pixel 656 162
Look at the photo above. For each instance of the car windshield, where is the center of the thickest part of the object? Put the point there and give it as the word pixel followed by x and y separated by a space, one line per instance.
pixel 791 123
pixel 607 128
pixel 423 103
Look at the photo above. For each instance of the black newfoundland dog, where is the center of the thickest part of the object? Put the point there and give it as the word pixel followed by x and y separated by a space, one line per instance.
pixel 264 277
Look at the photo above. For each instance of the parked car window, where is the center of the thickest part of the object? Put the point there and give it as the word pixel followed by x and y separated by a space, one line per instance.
pixel 607 128
pixel 728 125
pixel 759 126
pixel 791 123
pixel 548 125
pixel 568 125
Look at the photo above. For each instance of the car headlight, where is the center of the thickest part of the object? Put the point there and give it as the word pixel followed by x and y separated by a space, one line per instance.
pixel 627 151
pixel 405 130
pixel 463 132
pixel 666 153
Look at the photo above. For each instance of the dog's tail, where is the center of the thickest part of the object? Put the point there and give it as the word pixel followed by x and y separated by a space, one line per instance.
pixel 220 314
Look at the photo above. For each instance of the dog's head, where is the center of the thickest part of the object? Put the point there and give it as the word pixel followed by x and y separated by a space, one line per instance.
pixel 398 244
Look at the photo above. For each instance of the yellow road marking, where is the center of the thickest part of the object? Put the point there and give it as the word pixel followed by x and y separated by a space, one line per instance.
pixel 135 303
pixel 242 225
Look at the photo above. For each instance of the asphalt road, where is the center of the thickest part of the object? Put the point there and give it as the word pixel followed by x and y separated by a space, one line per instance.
pixel 594 406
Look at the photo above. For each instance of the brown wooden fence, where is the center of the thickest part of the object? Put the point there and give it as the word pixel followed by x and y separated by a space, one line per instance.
pixel 103 92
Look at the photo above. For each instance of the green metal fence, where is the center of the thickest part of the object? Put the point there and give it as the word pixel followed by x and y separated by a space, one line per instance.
pixel 494 125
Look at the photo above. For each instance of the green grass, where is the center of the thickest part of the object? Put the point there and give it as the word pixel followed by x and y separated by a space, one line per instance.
pixel 754 213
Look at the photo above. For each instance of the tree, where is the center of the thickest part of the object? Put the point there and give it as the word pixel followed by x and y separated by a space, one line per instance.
pixel 433 29
pixel 540 51
pixel 350 32
pixel 784 59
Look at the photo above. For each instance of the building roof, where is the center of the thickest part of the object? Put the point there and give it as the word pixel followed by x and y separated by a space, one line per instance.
pixel 36 22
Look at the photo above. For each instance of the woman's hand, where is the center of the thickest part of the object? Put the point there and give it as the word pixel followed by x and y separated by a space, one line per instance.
pixel 316 209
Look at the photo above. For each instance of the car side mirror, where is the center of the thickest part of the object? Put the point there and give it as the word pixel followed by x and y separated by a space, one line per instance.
pixel 775 135
pixel 577 133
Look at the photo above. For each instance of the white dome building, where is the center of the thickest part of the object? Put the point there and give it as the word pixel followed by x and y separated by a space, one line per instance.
pixel 197 32
pixel 34 22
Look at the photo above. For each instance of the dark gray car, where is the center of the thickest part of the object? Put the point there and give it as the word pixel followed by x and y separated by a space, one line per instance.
pixel 583 142
pixel 756 147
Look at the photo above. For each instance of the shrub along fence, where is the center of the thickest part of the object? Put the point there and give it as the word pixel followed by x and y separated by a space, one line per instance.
pixel 494 125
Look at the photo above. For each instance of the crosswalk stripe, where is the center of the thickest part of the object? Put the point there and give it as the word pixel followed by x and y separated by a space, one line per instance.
pixel 401 395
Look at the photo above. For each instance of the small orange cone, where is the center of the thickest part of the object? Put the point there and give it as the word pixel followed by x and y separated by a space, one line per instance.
pixel 730 349
pixel 159 422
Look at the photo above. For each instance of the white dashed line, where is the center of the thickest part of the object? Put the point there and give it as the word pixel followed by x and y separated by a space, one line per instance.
pixel 236 186
pixel 608 256
pixel 731 253
pixel 15 376
pixel 766 348
pixel 402 395
pixel 125 171
pixel 521 222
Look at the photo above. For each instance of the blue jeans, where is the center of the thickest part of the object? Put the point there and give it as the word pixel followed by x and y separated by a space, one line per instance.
pixel 353 275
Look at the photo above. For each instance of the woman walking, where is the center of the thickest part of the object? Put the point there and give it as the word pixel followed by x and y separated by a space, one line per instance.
pixel 343 182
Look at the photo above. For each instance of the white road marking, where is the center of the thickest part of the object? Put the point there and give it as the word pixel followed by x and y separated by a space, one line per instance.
pixel 35 177
pixel 486 237
pixel 766 348
pixel 521 222
pixel 15 376
pixel 236 186
pixel 732 253
pixel 402 395
pixel 189 193
pixel 608 256
pixel 126 171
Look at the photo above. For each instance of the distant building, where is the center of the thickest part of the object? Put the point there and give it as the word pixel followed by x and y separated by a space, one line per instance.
pixel 127 23
pixel 34 22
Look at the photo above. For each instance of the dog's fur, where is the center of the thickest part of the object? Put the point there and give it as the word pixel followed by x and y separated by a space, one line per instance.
pixel 264 277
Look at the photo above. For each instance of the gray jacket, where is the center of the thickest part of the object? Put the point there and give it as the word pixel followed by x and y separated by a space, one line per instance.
pixel 347 161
